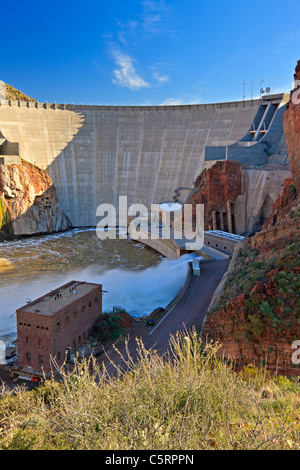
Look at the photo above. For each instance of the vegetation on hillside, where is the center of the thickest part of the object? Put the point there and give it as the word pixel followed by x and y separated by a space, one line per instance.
pixel 4 215
pixel 112 325
pixel 14 94
pixel 190 401
pixel 264 287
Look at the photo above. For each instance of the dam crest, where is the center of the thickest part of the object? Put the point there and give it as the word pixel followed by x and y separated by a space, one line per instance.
pixel 96 153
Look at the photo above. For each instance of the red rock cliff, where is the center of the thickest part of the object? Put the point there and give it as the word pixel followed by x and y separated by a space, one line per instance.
pixel 257 316
pixel 291 124
pixel 28 202
pixel 216 186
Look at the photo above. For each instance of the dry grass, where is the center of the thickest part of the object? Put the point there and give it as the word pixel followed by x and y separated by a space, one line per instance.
pixel 189 400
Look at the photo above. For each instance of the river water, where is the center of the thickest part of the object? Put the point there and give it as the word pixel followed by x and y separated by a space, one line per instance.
pixel 135 277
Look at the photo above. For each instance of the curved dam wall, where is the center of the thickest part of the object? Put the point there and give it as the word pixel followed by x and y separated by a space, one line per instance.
pixel 95 154
pixel 168 248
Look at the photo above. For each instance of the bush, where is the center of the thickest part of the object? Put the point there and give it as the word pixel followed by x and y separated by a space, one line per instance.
pixel 265 308
pixel 255 326
pixel 188 401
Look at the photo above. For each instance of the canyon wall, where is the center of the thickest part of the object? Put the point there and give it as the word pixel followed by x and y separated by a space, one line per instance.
pixel 255 315
pixel 28 202
pixel 237 198
pixel 291 124
pixel 94 154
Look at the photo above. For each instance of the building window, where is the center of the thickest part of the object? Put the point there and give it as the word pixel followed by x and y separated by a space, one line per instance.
pixel 90 304
pixel 27 339
pixel 41 360
pixel 40 341
pixel 28 357
pixel 58 356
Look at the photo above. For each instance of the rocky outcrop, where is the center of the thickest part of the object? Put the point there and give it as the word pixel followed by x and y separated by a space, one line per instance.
pixel 256 316
pixel 217 185
pixel 237 198
pixel 28 202
pixel 283 205
pixel 291 124
pixel 261 188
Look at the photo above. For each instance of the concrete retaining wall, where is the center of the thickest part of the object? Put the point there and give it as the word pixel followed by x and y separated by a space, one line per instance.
pixel 9 160
pixel 95 154
pixel 168 248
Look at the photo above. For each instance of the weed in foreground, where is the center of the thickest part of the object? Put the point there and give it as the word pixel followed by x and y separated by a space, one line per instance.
pixel 186 400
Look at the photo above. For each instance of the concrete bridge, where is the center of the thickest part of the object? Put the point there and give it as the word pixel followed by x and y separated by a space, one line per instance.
pixel 95 154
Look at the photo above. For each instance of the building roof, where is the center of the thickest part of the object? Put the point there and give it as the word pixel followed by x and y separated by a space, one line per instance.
pixel 227 235
pixel 60 298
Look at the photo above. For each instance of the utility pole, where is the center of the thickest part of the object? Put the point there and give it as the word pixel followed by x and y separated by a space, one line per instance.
pixel 261 87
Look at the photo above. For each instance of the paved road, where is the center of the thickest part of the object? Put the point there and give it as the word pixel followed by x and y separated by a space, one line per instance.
pixel 189 312
pixel 192 308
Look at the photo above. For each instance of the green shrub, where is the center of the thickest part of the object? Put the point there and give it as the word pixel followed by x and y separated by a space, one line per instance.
pixel 255 325
pixel 265 308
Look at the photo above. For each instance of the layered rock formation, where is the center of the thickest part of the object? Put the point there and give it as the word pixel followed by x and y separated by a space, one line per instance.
pixel 291 124
pixel 237 198
pixel 28 202
pixel 218 186
pixel 256 314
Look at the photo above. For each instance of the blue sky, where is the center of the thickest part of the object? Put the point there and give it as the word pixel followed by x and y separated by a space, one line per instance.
pixel 148 52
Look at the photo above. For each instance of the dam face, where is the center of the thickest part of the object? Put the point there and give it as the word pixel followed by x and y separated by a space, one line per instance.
pixel 95 154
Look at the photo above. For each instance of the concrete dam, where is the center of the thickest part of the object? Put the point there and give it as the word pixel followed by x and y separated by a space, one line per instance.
pixel 94 154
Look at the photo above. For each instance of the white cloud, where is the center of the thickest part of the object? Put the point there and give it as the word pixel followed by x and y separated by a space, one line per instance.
pixel 126 74
pixel 179 101
pixel 171 102
pixel 126 31
pixel 161 78
pixel 155 12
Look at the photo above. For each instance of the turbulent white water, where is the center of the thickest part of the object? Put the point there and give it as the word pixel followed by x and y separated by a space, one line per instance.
pixel 135 277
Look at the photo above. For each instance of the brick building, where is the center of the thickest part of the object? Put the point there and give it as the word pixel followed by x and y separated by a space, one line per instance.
pixel 57 322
